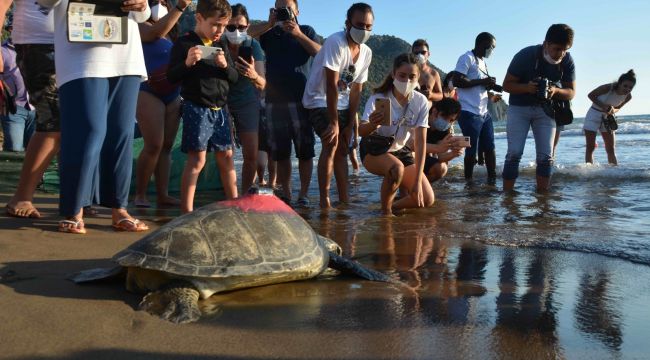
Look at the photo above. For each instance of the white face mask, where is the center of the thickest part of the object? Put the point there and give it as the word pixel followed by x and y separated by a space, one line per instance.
pixel 236 37
pixel 421 59
pixel 158 12
pixel 359 36
pixel 550 60
pixel 488 52
pixel 405 87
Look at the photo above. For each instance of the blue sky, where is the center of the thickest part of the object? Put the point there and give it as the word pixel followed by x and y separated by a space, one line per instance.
pixel 611 36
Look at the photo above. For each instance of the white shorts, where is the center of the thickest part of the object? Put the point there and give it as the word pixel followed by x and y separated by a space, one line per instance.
pixel 594 121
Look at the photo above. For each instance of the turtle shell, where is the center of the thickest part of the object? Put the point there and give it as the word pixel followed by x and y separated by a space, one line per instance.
pixel 253 235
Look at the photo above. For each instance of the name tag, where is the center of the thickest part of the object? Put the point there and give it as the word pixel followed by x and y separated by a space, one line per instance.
pixel 91 23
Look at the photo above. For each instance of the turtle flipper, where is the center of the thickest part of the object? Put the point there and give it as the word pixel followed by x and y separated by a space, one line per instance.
pixel 352 267
pixel 178 302
pixel 97 274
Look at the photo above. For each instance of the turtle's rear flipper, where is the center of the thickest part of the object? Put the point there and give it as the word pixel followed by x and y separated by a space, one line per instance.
pixel 352 267
pixel 97 274
pixel 178 302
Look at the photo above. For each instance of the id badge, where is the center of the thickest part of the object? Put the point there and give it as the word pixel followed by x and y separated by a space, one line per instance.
pixel 85 25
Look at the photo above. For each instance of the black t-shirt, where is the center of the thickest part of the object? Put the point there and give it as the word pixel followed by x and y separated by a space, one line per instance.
pixel 434 135
pixel 284 57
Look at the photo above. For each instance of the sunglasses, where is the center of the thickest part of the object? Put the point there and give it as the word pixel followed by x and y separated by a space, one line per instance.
pixel 232 28
pixel 422 52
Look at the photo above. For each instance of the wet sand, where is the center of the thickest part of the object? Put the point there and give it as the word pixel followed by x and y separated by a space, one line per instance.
pixel 466 300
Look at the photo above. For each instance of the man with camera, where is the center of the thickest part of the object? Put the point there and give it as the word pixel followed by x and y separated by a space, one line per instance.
pixel 288 47
pixel 536 75
pixel 473 82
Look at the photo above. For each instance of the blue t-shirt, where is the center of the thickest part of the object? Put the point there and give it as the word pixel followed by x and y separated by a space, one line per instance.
pixel 523 67
pixel 243 92
pixel 284 57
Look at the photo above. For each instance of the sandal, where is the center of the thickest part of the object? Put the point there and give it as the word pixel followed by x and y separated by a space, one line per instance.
pixel 130 225
pixel 72 226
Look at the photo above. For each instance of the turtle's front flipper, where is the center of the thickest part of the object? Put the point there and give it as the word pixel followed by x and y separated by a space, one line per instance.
pixel 177 302
pixel 97 274
pixel 348 266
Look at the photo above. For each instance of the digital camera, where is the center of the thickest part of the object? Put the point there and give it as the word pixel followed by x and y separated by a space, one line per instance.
pixel 283 14
pixel 542 88
pixel 495 87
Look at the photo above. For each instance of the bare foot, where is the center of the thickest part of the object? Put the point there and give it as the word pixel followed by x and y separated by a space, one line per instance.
pixel 22 209
pixel 168 201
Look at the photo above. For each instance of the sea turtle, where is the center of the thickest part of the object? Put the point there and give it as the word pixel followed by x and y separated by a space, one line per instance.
pixel 251 241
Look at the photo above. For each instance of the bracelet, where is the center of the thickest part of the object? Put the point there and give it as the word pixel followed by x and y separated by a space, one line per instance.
pixel 180 8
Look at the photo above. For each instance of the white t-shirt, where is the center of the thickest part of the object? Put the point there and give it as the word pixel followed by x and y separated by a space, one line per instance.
pixel 472 99
pixel 417 115
pixel 335 55
pixel 75 60
pixel 33 24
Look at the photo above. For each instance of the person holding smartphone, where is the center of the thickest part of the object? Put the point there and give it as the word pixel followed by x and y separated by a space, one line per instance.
pixel 244 99
pixel 442 146
pixel 383 147
pixel 288 47
pixel 205 83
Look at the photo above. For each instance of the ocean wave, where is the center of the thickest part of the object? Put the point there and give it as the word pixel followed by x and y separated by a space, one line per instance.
pixel 628 128
pixel 576 172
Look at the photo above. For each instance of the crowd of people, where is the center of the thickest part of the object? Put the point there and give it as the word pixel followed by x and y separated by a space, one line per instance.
pixel 234 82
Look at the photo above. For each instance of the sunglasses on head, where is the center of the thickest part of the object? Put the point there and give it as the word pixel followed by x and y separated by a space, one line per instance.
pixel 232 28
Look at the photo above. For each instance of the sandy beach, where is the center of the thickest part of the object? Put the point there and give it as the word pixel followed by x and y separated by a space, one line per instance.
pixel 469 301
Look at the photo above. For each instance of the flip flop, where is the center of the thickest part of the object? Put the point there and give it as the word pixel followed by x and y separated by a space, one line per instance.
pixel 130 225
pixel 72 227
pixel 22 212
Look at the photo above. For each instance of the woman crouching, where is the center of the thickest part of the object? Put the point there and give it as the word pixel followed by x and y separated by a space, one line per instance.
pixel 383 147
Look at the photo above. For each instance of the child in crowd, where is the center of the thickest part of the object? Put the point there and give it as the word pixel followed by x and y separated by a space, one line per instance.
pixel 442 147
pixel 205 82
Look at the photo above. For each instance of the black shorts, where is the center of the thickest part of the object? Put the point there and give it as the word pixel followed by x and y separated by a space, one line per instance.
pixel 429 162
pixel 320 120
pixel 36 64
pixel 404 155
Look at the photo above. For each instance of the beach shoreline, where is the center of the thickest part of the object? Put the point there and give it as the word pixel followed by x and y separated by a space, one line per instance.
pixel 472 301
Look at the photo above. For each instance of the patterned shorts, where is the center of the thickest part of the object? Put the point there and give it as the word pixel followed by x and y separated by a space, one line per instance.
pixel 205 129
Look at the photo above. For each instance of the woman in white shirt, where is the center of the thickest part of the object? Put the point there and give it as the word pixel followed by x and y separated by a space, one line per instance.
pixel 383 148
pixel 606 100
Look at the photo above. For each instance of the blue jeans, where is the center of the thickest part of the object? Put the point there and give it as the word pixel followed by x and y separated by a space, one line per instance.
pixel 479 129
pixel 97 116
pixel 18 128
pixel 520 120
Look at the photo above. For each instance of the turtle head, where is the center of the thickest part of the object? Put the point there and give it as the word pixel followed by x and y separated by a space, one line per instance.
pixel 331 246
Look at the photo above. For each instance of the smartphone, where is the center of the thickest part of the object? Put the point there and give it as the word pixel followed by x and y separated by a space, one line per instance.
pixel 246 53
pixel 384 105
pixel 208 53
pixel 462 141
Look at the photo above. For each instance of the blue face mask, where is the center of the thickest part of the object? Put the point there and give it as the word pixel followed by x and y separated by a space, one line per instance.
pixel 441 124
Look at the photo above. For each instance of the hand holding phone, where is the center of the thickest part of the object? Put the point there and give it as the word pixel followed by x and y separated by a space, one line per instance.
pixel 461 141
pixel 383 105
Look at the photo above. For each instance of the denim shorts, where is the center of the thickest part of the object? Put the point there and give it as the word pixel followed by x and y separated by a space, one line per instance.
pixel 205 129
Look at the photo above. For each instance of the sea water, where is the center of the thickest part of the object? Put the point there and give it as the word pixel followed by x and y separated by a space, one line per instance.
pixel 592 208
